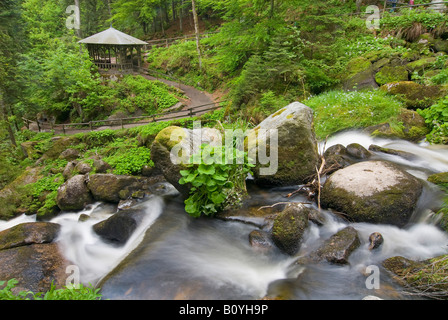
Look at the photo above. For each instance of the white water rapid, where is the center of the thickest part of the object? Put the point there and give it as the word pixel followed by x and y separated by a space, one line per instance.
pixel 173 256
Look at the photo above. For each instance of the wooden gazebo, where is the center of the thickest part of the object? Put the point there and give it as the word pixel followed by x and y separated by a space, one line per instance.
pixel 114 50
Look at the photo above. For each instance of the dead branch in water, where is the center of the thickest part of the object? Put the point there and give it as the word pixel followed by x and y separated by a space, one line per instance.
pixel 314 187
pixel 278 203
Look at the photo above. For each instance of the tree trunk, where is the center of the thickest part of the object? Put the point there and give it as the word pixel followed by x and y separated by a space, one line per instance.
pixel 196 29
pixel 4 116
pixel 78 31
pixel 181 14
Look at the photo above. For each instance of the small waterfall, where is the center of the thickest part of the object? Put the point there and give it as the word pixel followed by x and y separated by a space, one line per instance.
pixel 87 250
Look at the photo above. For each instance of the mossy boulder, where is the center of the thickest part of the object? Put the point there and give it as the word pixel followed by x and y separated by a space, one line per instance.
pixel 113 188
pixel 337 157
pixel 415 95
pixel 440 179
pixel 389 74
pixel 360 75
pixel 412 127
pixel 74 195
pixel 292 157
pixel 173 147
pixel 28 233
pixel 11 196
pixel 289 227
pixel 420 65
pixel 426 277
pixel 374 192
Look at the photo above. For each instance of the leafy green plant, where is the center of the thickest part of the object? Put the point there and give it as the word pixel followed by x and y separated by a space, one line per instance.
pixel 217 182
pixel 76 293
pixel 131 161
pixel 436 117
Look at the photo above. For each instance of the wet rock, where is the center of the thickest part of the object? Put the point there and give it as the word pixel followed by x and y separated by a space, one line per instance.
pixel 28 233
pixel 296 150
pixel 126 204
pixel 337 156
pixel 119 227
pixel 375 240
pixel 29 254
pixel 35 266
pixel 260 240
pixel 336 249
pixel 414 127
pixel 372 191
pixel 402 154
pixel 440 179
pixel 74 195
pixel 289 227
pixel 358 151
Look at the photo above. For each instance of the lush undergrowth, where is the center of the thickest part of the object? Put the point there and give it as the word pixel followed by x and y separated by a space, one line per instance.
pixel 339 110
pixel 81 292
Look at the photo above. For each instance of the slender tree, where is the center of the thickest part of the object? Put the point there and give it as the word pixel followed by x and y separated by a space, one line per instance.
pixel 196 29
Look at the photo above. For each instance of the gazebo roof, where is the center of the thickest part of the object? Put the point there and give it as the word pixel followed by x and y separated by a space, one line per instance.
pixel 112 36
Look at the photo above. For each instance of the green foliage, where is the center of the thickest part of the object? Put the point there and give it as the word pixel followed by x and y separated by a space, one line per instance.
pixel 131 161
pixel 436 117
pixel 338 110
pixel 429 20
pixel 75 293
pixel 97 138
pixel 48 183
pixel 217 182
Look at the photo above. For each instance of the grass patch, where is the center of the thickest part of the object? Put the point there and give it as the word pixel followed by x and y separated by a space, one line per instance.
pixel 338 110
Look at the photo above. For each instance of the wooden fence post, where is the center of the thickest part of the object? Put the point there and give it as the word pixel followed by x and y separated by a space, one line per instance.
pixel 63 128
pixel 90 125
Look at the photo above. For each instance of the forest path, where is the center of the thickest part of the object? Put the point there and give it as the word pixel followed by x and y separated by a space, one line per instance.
pixel 198 102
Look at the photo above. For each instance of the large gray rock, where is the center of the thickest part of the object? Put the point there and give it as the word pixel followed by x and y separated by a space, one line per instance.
pixel 74 195
pixel 295 152
pixel 372 191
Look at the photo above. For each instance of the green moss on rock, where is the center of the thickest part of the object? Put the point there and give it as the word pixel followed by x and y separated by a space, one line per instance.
pixel 390 74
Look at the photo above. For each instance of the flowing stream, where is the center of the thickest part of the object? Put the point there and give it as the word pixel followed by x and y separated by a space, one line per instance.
pixel 173 256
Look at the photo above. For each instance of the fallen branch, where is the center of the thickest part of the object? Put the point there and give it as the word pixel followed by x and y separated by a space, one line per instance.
pixel 278 203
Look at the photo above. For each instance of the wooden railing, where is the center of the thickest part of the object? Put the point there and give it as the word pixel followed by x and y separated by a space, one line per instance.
pixel 169 41
pixel 122 122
